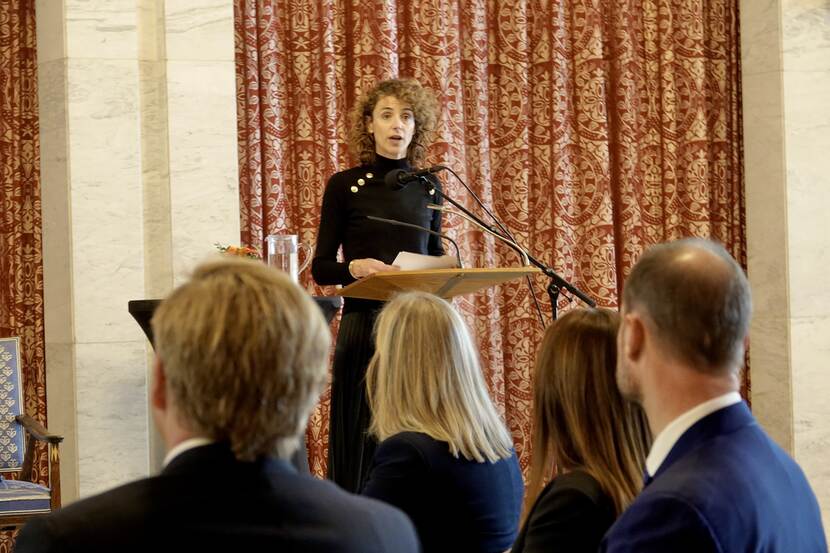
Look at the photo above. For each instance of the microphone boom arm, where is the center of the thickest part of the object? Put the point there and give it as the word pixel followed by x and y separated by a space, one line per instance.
pixel 557 281
pixel 512 244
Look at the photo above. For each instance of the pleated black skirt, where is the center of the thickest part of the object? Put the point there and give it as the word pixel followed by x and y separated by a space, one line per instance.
pixel 350 447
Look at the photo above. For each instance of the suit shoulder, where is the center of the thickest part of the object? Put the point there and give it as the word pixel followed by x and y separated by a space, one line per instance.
pixel 366 524
pixel 661 521
pixel 120 510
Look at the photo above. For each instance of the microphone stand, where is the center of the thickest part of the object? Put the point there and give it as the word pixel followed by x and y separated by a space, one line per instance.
pixel 557 283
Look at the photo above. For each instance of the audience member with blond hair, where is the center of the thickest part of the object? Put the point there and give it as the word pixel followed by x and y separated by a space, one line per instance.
pixel 445 457
pixel 240 361
pixel 589 443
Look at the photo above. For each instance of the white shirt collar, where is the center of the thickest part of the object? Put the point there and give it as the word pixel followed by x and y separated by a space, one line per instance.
pixel 664 442
pixel 186 445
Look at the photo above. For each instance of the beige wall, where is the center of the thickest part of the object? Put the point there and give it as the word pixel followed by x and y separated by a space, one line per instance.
pixel 786 87
pixel 139 173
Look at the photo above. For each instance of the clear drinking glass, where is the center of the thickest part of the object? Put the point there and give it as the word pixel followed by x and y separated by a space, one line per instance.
pixel 283 254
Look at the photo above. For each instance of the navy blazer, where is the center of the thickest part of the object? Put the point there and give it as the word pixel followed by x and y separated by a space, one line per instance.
pixel 206 500
pixel 457 505
pixel 726 487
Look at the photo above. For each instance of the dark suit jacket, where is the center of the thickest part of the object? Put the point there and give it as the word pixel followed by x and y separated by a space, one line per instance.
pixel 571 514
pixel 205 500
pixel 457 505
pixel 727 487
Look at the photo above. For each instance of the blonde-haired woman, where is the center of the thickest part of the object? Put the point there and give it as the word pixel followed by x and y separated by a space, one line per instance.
pixel 588 441
pixel 390 127
pixel 445 458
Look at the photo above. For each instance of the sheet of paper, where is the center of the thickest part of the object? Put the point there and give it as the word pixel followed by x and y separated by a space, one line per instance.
pixel 417 262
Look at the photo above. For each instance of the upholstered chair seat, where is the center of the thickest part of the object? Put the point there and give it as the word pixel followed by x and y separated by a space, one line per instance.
pixel 20 497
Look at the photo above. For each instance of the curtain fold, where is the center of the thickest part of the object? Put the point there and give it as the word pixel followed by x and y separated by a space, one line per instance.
pixel 21 264
pixel 592 127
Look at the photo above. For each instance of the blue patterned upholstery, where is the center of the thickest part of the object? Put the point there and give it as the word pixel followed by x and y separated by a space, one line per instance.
pixel 11 405
pixel 16 497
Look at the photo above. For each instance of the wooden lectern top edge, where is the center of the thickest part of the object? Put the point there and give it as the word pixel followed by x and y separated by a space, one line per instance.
pixel 456 270
pixel 442 282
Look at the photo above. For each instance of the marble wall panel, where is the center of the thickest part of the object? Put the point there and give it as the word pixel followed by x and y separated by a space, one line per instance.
pixel 772 400
pixel 112 414
pixel 806 78
pixel 760 36
pixel 199 30
pixel 806 34
pixel 204 187
pixel 811 388
pixel 106 198
pixel 151 34
pixel 60 385
pixel 50 31
pixel 155 177
pixel 807 115
pixel 100 29
pixel 766 217
pixel 54 181
pixel 766 192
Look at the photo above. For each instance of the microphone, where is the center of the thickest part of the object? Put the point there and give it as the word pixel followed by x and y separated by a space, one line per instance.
pixel 419 227
pixel 399 178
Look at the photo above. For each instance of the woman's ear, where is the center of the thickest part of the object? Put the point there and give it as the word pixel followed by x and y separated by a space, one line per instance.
pixel 369 126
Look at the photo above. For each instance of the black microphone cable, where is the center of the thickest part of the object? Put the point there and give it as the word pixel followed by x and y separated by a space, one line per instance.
pixel 419 227
pixel 506 232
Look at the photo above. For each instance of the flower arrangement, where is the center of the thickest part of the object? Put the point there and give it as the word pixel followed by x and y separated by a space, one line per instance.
pixel 241 251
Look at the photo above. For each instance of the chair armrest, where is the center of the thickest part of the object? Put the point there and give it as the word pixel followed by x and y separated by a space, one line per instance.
pixel 37 430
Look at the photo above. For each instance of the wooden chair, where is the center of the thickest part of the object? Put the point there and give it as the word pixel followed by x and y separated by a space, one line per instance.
pixel 22 499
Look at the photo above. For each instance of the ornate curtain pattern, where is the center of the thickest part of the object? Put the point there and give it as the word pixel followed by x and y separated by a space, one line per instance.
pixel 593 127
pixel 21 267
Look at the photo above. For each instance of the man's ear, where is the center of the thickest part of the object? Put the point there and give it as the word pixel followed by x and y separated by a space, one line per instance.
pixel 158 385
pixel 634 336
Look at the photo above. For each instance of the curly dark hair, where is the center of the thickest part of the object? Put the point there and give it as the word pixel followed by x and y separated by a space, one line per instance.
pixel 409 91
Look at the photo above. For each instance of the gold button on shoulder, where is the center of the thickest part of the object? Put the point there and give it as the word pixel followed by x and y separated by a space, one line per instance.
pixel 369 175
pixel 361 182
pixel 354 189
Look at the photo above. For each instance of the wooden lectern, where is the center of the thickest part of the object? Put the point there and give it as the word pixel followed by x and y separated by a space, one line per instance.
pixel 444 283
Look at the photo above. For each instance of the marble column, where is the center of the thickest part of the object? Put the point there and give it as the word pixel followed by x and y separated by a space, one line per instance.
pixel 139 164
pixel 786 85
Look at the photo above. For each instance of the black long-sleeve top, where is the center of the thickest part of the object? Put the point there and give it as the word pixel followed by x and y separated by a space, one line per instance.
pixel 349 197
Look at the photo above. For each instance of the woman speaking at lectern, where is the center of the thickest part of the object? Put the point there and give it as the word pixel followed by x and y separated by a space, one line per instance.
pixel 388 128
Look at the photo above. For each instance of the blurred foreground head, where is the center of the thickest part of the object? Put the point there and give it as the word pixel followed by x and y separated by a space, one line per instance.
pixel 243 352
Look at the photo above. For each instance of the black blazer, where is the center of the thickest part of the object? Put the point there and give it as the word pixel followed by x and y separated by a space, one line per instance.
pixel 457 505
pixel 206 500
pixel 571 514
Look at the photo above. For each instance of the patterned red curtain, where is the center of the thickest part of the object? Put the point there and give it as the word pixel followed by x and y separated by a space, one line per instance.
pixel 21 267
pixel 593 127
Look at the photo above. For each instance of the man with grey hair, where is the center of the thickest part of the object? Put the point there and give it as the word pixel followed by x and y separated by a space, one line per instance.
pixel 241 354
pixel 714 482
